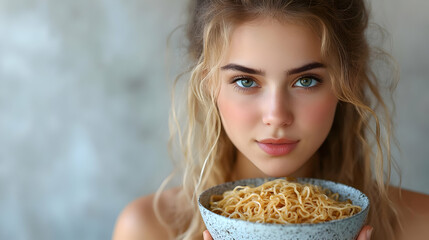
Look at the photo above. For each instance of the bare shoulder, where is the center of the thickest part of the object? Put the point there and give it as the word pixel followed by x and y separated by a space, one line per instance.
pixel 413 210
pixel 138 219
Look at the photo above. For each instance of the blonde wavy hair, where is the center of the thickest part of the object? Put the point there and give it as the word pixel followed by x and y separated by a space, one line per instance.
pixel 347 155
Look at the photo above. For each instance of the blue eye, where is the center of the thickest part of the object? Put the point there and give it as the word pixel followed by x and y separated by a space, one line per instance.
pixel 246 83
pixel 306 82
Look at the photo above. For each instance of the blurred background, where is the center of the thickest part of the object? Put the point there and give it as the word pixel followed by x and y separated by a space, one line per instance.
pixel 84 101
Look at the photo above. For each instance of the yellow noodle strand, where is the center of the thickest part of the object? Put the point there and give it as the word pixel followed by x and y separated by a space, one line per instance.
pixel 282 201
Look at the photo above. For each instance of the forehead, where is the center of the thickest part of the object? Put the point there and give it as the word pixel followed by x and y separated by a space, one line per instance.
pixel 269 44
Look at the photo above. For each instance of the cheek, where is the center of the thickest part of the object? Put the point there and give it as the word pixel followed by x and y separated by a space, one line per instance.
pixel 237 114
pixel 317 116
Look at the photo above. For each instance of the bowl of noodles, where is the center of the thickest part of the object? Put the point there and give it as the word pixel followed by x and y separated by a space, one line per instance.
pixel 280 208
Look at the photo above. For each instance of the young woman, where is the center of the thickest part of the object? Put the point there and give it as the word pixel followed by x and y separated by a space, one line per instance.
pixel 280 88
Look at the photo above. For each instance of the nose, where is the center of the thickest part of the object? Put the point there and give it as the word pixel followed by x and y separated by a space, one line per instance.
pixel 277 109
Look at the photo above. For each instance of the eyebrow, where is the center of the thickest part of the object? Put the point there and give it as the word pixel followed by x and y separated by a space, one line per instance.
pixel 306 67
pixel 240 68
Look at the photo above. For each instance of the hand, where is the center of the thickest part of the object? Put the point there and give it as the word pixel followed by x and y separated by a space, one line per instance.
pixel 206 235
pixel 365 233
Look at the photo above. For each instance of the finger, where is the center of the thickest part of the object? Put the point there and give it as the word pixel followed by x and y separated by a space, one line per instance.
pixel 365 233
pixel 206 235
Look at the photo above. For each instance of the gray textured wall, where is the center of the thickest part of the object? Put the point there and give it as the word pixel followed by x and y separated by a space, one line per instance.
pixel 84 99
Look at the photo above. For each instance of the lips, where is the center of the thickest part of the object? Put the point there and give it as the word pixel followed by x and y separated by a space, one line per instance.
pixel 277 147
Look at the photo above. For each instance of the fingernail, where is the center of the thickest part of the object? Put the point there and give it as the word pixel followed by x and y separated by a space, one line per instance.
pixel 205 234
pixel 368 233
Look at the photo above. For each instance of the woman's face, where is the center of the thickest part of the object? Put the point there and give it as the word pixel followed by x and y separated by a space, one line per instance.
pixel 275 99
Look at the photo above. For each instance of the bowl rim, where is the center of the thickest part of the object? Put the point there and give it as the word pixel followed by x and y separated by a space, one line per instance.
pixel 364 210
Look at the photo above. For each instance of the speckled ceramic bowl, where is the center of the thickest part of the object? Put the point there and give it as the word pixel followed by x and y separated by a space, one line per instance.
pixel 223 228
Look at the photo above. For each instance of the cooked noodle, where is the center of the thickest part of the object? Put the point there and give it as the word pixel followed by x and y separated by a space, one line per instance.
pixel 282 201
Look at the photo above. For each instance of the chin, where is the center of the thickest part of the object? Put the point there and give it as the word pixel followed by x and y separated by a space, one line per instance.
pixel 277 173
pixel 284 168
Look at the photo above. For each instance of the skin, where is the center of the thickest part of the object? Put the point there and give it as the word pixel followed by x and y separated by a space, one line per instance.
pixel 276 107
